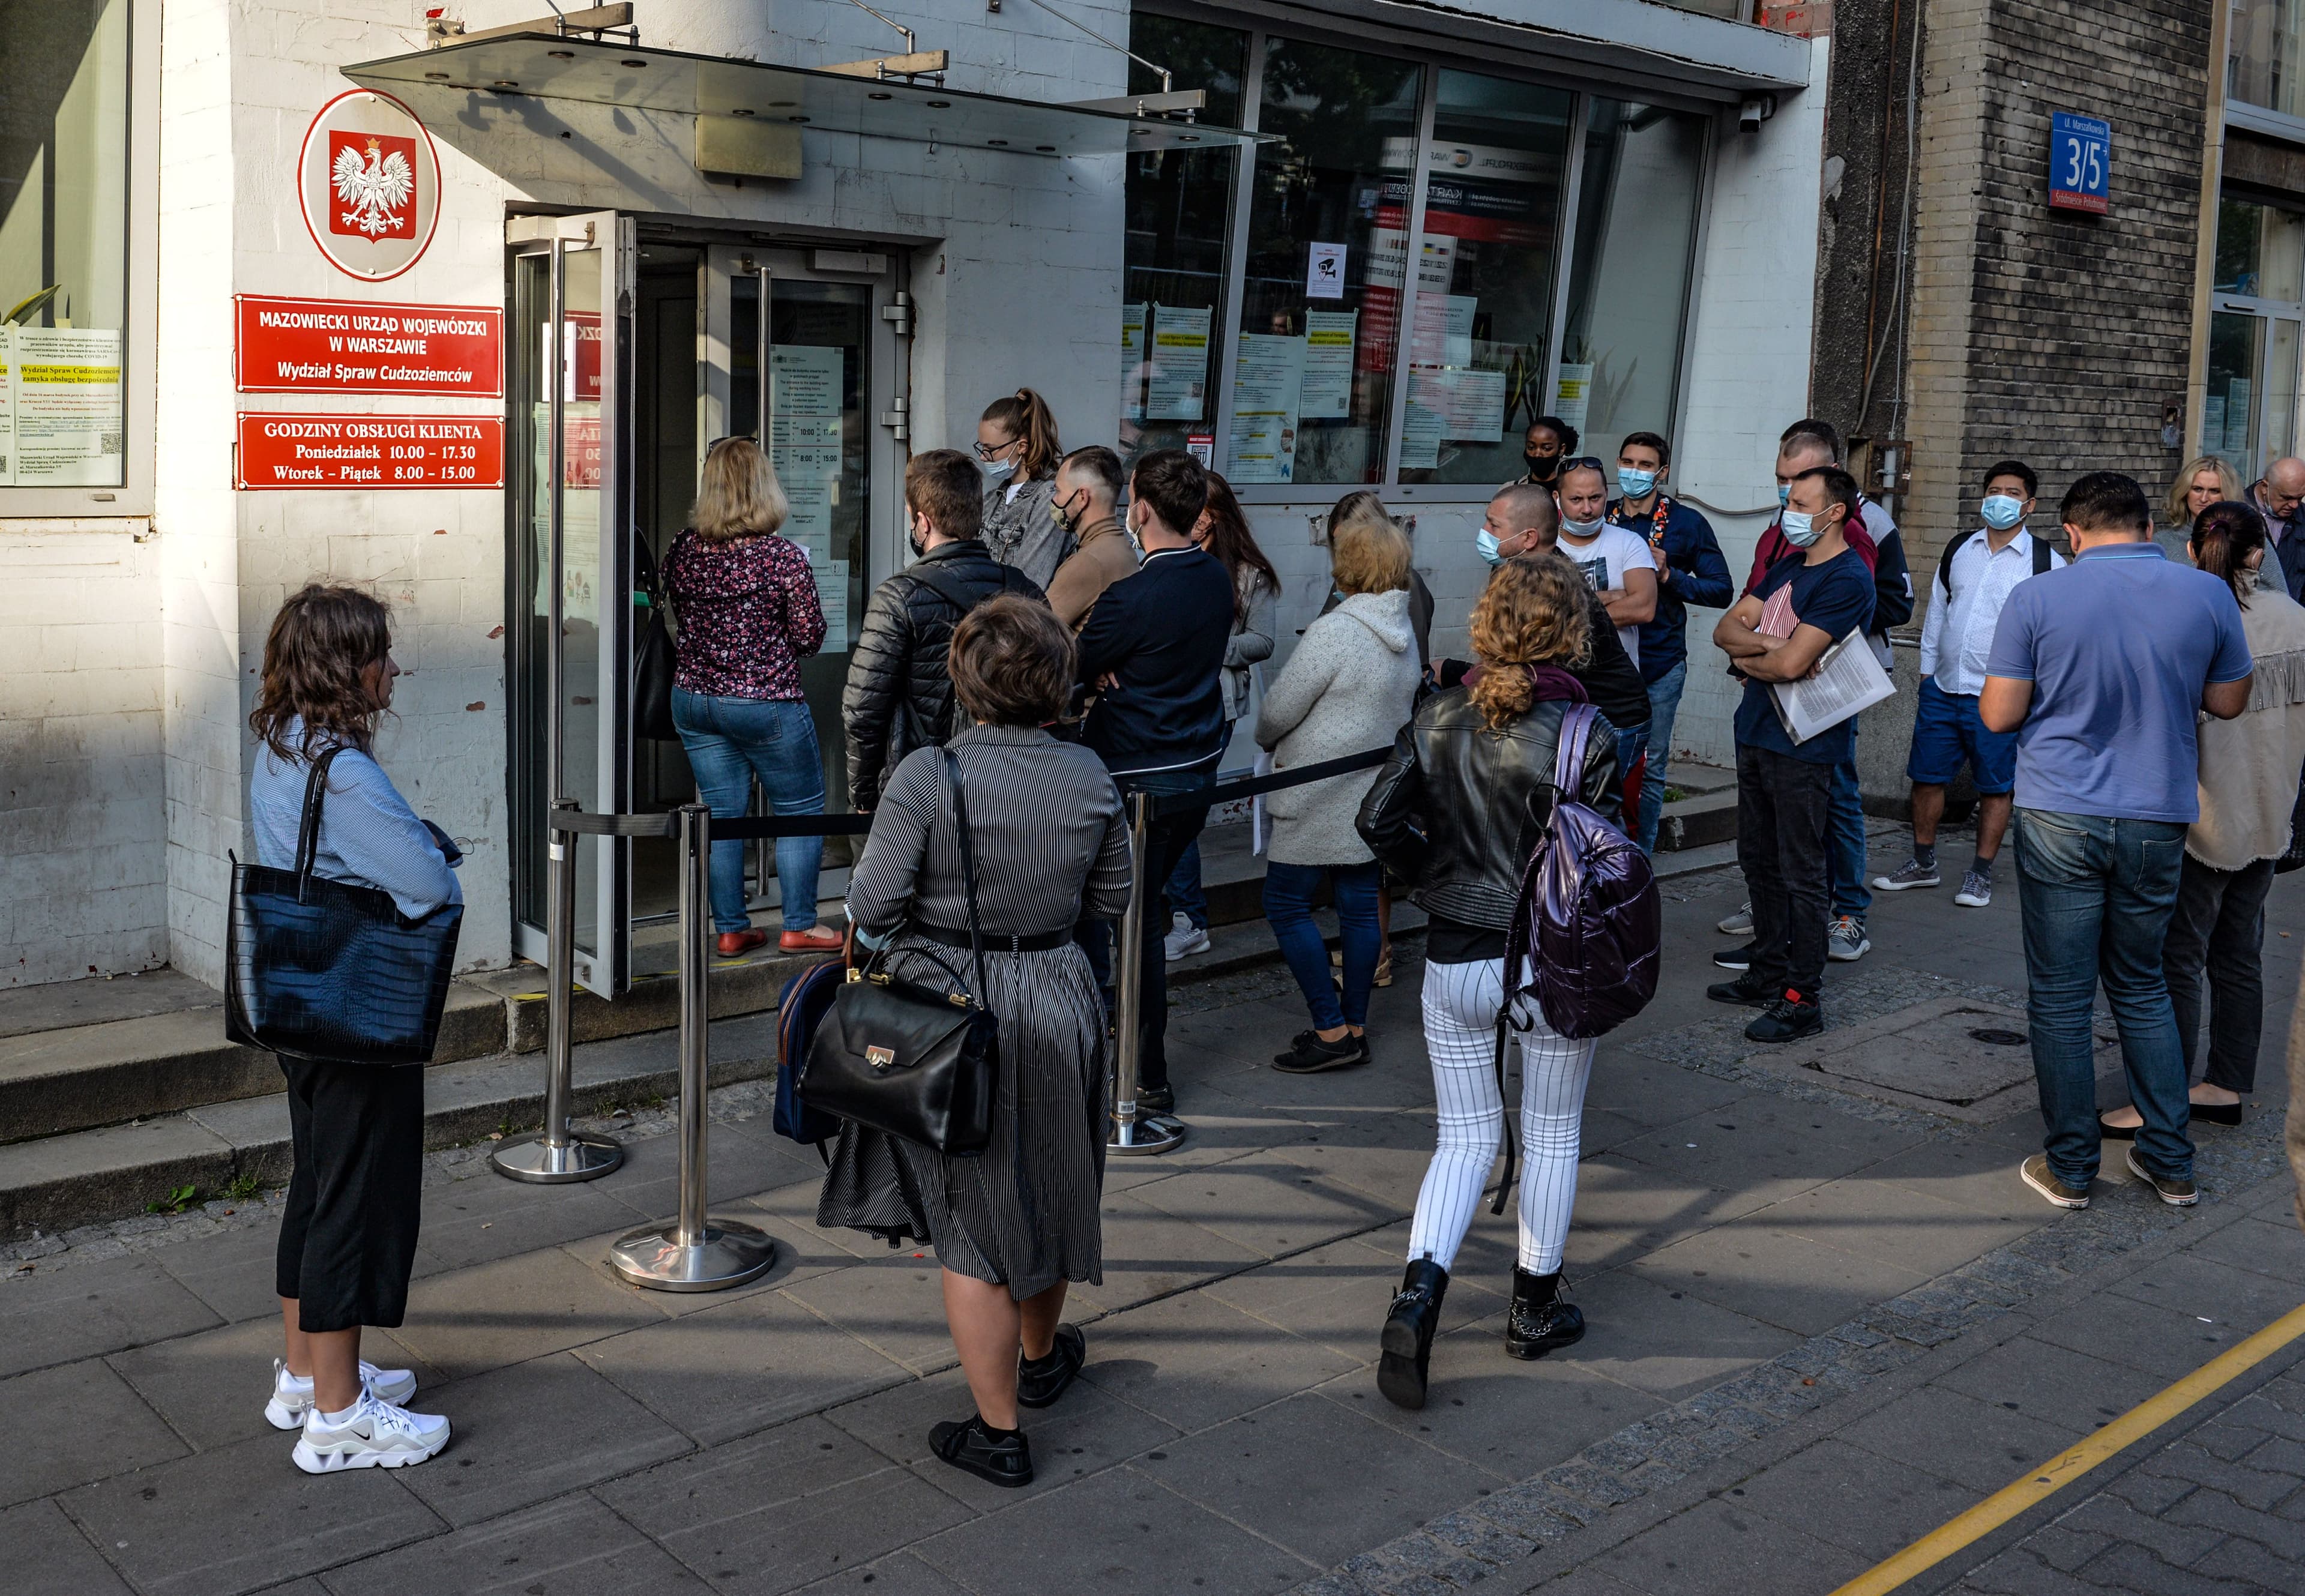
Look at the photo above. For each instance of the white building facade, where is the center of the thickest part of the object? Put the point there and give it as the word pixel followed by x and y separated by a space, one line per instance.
pixel 234 365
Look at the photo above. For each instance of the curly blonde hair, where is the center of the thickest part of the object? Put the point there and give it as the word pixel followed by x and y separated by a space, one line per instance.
pixel 1534 611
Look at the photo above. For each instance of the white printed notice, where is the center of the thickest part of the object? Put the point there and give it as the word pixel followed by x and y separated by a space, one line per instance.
pixel 1467 405
pixel 1132 362
pixel 1572 393
pixel 804 445
pixel 1442 334
pixel 1324 272
pixel 1327 391
pixel 7 405
pixel 64 402
pixel 1420 436
pixel 832 593
pixel 1264 396
pixel 1177 387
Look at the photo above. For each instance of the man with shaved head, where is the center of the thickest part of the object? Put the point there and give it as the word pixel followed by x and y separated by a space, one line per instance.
pixel 2279 498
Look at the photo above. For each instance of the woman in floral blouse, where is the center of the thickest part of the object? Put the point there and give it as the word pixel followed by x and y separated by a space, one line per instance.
pixel 748 611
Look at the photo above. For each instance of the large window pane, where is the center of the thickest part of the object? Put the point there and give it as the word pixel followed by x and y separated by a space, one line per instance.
pixel 1179 205
pixel 1327 252
pixel 64 257
pixel 1479 346
pixel 2231 414
pixel 2263 57
pixel 1635 227
pixel 2260 250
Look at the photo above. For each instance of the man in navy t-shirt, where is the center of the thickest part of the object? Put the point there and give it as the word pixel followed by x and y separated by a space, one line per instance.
pixel 2101 670
pixel 1809 600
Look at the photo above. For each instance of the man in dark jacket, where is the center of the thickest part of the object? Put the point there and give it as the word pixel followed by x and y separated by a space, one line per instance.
pixel 1151 650
pixel 900 693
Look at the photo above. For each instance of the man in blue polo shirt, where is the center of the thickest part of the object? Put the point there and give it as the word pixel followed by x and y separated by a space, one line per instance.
pixel 2101 669
pixel 1690 570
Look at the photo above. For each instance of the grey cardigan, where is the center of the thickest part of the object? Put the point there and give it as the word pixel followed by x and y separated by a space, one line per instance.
pixel 1349 687
pixel 1251 643
pixel 1023 532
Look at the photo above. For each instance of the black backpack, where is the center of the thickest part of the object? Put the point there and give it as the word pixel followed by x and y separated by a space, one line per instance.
pixel 2042 553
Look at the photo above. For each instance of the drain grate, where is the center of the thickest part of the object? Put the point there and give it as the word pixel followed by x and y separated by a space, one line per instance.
pixel 1998 1039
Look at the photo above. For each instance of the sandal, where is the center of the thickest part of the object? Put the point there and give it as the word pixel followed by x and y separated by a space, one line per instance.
pixel 1039 1381
pixel 1003 1460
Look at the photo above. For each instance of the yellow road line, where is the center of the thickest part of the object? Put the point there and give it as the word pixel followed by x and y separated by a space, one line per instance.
pixel 2075 1462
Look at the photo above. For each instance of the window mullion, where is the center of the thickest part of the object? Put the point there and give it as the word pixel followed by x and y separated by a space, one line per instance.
pixel 1572 196
pixel 1243 195
pixel 1411 269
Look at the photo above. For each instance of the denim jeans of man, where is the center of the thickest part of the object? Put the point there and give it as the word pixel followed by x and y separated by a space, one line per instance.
pixel 2097 896
pixel 1170 835
pixel 1289 890
pixel 2218 929
pixel 730 741
pixel 1186 895
pixel 1783 814
pixel 1631 746
pixel 1845 858
pixel 1664 705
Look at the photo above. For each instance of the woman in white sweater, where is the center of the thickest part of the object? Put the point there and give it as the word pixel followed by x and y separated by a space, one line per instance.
pixel 1349 687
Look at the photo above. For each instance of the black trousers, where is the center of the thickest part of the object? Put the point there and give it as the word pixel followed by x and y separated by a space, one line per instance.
pixel 1783 812
pixel 1164 845
pixel 2218 927
pixel 348 1237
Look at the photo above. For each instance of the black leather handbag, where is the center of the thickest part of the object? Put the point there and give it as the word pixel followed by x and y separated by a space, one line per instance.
pixel 653 659
pixel 907 1059
pixel 325 970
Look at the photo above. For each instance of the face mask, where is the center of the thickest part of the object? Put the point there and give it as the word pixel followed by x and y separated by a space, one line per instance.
pixel 1065 519
pixel 1487 544
pixel 1636 484
pixel 1799 527
pixel 1581 529
pixel 913 536
pixel 1784 495
pixel 995 469
pixel 1543 468
pixel 2002 512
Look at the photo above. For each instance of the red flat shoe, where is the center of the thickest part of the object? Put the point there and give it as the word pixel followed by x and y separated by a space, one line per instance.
pixel 735 943
pixel 810 941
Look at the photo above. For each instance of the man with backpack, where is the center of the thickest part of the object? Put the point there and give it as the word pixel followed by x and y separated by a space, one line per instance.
pixel 1974 580
pixel 899 692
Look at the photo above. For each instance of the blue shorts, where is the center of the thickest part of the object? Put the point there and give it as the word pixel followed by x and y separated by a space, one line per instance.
pixel 1946 730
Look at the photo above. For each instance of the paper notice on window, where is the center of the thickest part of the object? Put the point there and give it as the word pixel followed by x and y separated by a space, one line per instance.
pixel 1848 679
pixel 1177 387
pixel 1132 361
pixel 1443 334
pixel 804 398
pixel 1572 393
pixel 1264 398
pixel 1324 272
pixel 1327 393
pixel 68 428
pixel 1470 405
pixel 832 593
pixel 7 405
pixel 1420 437
pixel 811 478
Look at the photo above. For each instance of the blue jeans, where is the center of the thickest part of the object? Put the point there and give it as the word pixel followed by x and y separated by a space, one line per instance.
pixel 1631 746
pixel 1844 844
pixel 1664 704
pixel 1289 890
pixel 2097 896
pixel 729 741
pixel 1185 895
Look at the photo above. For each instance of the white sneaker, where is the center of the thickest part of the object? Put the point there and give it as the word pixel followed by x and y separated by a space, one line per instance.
pixel 292 1397
pixel 1185 940
pixel 375 1435
pixel 1845 941
pixel 1739 924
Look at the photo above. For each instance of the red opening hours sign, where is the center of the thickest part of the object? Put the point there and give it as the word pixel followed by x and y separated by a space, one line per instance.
pixel 282 450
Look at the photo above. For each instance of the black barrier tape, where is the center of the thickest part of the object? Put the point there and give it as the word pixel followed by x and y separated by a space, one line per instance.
pixel 583 822
pixel 1178 803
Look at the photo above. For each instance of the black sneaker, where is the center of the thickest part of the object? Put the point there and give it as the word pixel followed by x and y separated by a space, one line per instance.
pixel 1747 989
pixel 1310 1055
pixel 1737 958
pixel 1003 1459
pixel 1039 1381
pixel 1787 1020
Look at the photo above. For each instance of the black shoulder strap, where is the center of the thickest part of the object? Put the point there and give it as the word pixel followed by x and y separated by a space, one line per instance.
pixel 2041 553
pixel 941 584
pixel 967 868
pixel 308 829
pixel 1944 563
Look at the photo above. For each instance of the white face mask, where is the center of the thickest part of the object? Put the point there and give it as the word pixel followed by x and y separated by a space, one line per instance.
pixel 995 469
pixel 1582 529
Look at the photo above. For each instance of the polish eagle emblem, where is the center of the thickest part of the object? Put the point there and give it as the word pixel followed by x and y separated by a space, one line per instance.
pixel 376 186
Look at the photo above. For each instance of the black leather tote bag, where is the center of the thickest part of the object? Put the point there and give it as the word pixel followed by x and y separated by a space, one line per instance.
pixel 907 1059
pixel 320 969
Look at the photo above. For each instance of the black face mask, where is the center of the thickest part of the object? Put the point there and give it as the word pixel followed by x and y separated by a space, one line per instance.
pixel 1542 467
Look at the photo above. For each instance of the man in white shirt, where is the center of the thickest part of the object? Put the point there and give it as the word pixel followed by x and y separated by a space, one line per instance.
pixel 1616 562
pixel 1973 581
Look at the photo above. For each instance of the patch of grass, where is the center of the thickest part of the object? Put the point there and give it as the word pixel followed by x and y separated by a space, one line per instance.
pixel 175 1202
pixel 1673 795
pixel 241 1188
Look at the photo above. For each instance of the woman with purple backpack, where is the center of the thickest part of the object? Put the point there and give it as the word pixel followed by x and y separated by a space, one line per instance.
pixel 1457 811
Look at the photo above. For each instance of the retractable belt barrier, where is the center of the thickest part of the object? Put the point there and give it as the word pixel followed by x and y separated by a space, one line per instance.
pixel 693 1252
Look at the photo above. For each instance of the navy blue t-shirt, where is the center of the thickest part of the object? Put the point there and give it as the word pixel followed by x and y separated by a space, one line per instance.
pixel 1837 598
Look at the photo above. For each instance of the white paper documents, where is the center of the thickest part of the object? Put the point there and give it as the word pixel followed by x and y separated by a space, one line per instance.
pixel 1848 679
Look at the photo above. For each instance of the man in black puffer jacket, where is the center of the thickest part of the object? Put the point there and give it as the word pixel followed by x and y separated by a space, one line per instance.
pixel 899 692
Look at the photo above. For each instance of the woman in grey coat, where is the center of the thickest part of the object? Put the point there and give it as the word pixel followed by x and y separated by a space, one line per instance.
pixel 1018 450
pixel 1349 687
pixel 1015 1225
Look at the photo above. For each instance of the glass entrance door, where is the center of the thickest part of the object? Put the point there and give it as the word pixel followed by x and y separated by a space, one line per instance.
pixel 2249 410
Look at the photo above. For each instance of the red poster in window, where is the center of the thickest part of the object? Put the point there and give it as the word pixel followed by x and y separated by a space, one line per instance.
pixel 580 355
pixel 280 449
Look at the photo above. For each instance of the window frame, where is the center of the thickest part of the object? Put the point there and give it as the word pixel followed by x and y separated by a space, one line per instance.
pixel 1262 25
pixel 139 337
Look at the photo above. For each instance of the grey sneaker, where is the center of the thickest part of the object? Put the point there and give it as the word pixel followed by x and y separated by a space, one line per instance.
pixel 1976 891
pixel 1739 923
pixel 1845 941
pixel 2176 1194
pixel 2036 1173
pixel 1184 940
pixel 1910 874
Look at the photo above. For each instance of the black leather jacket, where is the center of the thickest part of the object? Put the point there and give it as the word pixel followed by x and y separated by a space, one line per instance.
pixel 1457 809
pixel 900 693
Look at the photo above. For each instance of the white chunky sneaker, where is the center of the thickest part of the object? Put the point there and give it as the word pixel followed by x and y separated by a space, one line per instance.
pixel 292 1397
pixel 1185 940
pixel 374 1435
pixel 1739 922
pixel 1845 941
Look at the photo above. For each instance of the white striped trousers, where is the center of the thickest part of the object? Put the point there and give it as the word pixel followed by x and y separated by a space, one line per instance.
pixel 1460 1030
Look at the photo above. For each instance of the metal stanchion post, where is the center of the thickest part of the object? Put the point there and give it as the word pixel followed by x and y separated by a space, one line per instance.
pixel 557 1156
pixel 1134 1132
pixel 693 1252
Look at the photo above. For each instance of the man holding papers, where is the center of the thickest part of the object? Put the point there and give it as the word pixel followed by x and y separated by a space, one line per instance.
pixel 1780 632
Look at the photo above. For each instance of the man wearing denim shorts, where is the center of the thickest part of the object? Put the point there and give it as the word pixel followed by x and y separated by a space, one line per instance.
pixel 2101 670
pixel 1973 581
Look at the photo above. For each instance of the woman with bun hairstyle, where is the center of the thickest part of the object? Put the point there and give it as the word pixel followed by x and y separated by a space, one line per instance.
pixel 1017 451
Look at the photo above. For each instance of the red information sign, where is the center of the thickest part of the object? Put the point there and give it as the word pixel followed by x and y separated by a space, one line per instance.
pixel 350 346
pixel 281 449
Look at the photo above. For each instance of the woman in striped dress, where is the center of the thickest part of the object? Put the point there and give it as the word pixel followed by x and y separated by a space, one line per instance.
pixel 1015 1225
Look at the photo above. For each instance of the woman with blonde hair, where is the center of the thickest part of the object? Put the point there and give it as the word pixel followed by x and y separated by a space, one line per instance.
pixel 1018 452
pixel 1455 811
pixel 749 615
pixel 2203 482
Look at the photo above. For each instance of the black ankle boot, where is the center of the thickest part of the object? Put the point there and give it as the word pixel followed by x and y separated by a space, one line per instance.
pixel 1541 1319
pixel 1407 1341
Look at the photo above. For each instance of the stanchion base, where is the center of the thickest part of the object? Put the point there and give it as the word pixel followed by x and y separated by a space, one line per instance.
pixel 1151 1133
pixel 585 1157
pixel 730 1255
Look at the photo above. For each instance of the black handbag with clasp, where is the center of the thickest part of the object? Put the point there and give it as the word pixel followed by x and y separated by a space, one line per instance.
pixel 907 1059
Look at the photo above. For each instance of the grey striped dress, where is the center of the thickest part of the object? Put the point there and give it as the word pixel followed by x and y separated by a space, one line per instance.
pixel 1051 848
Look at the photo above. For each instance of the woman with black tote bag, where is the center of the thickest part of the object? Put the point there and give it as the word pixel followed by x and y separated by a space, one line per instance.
pixel 348 1235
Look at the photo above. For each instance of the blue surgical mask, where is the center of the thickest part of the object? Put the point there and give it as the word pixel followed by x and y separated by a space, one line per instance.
pixel 1784 495
pixel 1486 542
pixel 995 469
pixel 1799 527
pixel 1582 529
pixel 2002 512
pixel 1636 484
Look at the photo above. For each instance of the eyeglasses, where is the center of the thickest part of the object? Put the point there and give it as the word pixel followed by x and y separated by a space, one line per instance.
pixel 1584 462
pixel 987 451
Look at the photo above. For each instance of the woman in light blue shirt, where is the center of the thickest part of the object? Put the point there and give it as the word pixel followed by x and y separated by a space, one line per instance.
pixel 348 1234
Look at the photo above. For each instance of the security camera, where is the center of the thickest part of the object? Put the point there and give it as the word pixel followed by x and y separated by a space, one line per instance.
pixel 1756 110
